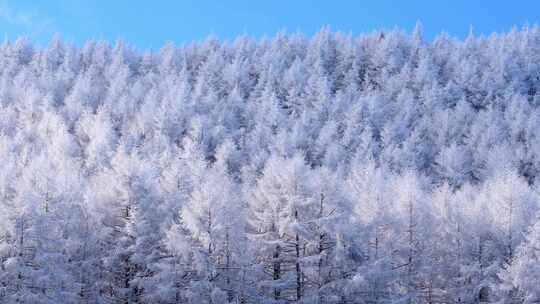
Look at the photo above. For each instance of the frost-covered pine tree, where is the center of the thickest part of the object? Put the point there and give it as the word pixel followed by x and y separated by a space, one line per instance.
pixel 280 211
pixel 520 279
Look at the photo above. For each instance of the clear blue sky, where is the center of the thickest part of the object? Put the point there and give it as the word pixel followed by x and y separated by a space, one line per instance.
pixel 148 24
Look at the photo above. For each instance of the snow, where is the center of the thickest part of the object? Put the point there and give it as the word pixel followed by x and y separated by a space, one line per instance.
pixel 332 169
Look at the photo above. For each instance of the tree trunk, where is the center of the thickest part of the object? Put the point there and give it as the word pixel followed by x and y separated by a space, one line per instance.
pixel 510 232
pixel 228 267
pixel 297 266
pixel 277 271
pixel 411 249
pixel 321 249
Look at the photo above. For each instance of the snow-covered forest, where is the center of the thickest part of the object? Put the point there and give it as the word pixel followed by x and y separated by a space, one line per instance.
pixel 382 168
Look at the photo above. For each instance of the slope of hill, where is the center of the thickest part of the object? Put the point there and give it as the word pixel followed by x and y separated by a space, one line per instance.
pixel 333 169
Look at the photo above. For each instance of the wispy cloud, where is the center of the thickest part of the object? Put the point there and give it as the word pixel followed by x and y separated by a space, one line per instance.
pixel 32 23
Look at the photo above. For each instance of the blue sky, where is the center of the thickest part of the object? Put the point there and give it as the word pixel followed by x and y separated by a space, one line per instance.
pixel 149 24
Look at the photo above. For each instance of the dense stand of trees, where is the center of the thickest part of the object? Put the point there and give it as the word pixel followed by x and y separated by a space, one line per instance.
pixel 382 168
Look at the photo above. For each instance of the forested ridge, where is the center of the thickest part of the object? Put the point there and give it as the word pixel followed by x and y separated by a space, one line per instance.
pixel 381 168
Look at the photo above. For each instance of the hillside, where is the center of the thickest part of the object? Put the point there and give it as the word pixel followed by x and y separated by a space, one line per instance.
pixel 328 169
